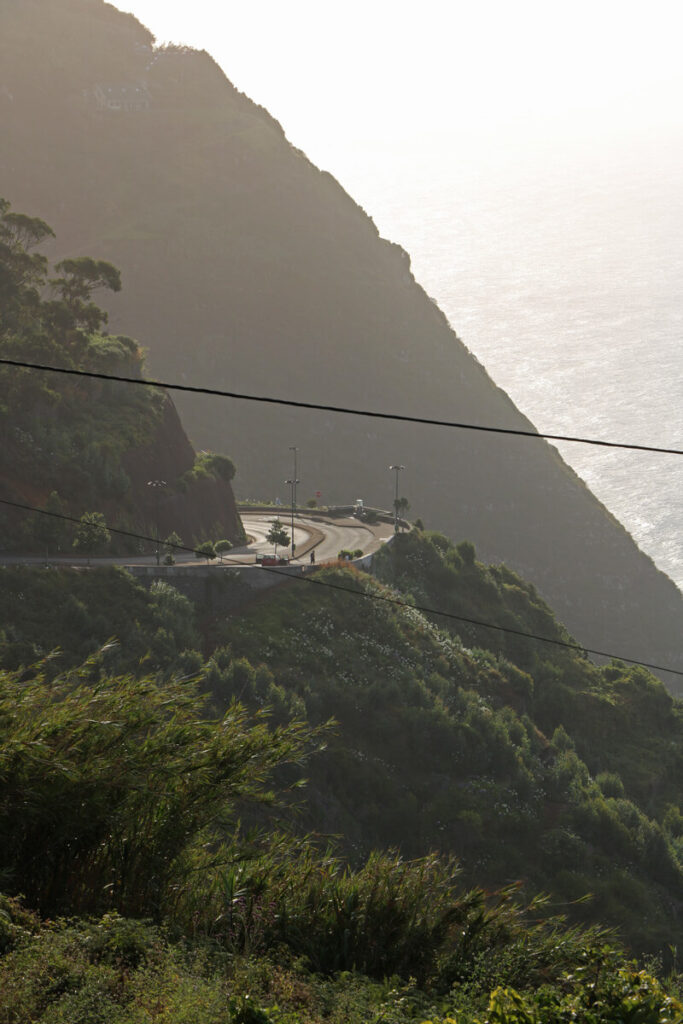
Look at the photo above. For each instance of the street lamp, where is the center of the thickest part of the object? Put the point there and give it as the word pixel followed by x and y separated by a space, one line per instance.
pixel 293 482
pixel 397 470
pixel 156 486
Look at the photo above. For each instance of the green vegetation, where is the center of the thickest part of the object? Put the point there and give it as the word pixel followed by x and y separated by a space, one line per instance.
pixel 205 550
pixel 160 862
pixel 161 193
pixel 621 719
pixel 138 774
pixel 52 422
pixel 73 444
pixel 218 465
pixel 127 971
pixel 401 507
pixel 179 878
pixel 172 545
pixel 277 535
pixel 78 613
pixel 183 916
pixel 92 535
pixel 513 758
pixel 208 466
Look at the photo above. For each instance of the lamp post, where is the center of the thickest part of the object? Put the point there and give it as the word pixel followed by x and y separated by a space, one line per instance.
pixel 156 486
pixel 397 470
pixel 293 482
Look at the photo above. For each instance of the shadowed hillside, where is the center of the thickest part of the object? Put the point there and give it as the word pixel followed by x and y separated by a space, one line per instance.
pixel 523 760
pixel 73 445
pixel 247 268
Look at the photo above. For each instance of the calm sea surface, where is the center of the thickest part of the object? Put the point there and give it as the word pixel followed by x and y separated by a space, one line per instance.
pixel 564 276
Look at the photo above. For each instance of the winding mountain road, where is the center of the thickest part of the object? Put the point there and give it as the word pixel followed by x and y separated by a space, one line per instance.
pixel 325 536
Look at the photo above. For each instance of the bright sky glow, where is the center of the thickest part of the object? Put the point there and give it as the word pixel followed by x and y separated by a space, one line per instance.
pixel 376 72
pixel 467 129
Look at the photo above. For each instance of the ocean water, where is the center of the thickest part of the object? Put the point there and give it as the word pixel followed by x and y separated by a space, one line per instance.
pixel 562 271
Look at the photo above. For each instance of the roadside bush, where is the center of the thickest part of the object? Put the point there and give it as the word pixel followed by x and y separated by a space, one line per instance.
pixel 610 784
pixel 466 551
pixel 218 465
pixel 138 773
pixel 205 550
pixel 412 919
pixel 594 996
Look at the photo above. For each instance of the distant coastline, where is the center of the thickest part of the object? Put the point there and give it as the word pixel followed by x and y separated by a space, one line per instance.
pixel 564 282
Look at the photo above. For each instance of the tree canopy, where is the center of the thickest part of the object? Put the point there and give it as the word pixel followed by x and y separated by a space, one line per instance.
pixel 92 535
pixel 277 535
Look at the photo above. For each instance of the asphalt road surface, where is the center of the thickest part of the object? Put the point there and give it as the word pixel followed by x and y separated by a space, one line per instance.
pixel 348 534
pixel 336 535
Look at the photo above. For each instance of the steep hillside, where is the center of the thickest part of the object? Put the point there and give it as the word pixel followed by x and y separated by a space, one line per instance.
pixel 529 765
pixel 77 445
pixel 143 901
pixel 246 267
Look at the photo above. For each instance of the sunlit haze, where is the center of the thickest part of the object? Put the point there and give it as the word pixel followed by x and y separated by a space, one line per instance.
pixel 374 73
pixel 528 158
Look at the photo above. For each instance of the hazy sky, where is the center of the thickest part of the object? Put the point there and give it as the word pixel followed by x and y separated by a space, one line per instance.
pixel 441 72
pixel 467 129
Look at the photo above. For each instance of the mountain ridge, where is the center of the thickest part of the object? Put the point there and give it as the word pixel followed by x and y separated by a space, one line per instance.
pixel 245 265
pixel 75 445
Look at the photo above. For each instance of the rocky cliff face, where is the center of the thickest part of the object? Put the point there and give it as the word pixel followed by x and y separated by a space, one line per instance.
pixel 246 267
pixel 204 508
pixel 196 507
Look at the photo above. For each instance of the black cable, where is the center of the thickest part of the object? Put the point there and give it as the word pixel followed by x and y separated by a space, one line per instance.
pixel 111 529
pixel 374 597
pixel 400 417
pixel 501 629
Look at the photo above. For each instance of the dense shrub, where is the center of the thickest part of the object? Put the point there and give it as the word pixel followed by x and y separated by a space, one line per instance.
pixel 108 784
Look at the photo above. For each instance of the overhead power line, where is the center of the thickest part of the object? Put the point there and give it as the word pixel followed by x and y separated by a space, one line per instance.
pixel 344 410
pixel 579 648
pixel 489 625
